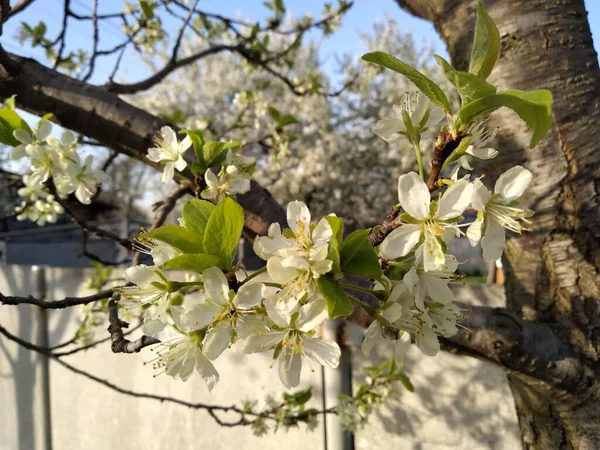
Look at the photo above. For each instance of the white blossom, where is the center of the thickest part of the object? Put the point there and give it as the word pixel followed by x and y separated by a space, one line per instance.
pixel 40 132
pixel 294 340
pixel 478 148
pixel 296 261
pixel 180 350
pixel 417 110
pixel 231 182
pixel 222 311
pixel 498 211
pixel 151 287
pixel 169 151
pixel 429 222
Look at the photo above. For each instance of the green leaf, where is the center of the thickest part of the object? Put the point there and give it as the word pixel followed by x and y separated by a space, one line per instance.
pixel 282 119
pixel 9 122
pixel 192 261
pixel 358 257
pixel 469 86
pixel 406 382
pixel 10 102
pixel 534 107
pixel 338 303
pixel 198 143
pixel 214 153
pixel 298 398
pixel 196 214
pixel 486 45
pixel 427 86
pixel 337 225
pixel 179 237
pixel 223 232
pixel 147 8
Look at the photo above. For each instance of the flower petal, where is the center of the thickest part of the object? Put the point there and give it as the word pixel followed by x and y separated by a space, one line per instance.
pixel 206 370
pixel 311 315
pixel 216 340
pixel 262 342
pixel 482 153
pixel 413 195
pixel 216 285
pixel 249 295
pixel 480 195
pixel 400 241
pixel 168 172
pixel 512 183
pixel 298 217
pixel 325 352
pixel 493 241
pixel 289 367
pixel 278 272
pixel 141 275
pixel 372 336
pixel 474 231
pixel 279 310
pixel 455 200
pixel 437 289
pixel 201 315
pixel 387 128
pixel 427 341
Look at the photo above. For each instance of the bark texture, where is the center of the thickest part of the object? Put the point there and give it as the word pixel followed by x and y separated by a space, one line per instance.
pixel 553 271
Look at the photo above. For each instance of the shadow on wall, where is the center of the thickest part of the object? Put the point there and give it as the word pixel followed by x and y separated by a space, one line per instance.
pixel 22 321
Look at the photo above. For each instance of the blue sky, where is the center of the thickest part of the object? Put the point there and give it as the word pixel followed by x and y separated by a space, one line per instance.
pixel 346 40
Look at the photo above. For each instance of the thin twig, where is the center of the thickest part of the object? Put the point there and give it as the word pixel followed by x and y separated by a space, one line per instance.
pixel 56 304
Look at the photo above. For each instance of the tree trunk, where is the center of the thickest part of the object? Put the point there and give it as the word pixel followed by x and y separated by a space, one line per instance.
pixel 552 272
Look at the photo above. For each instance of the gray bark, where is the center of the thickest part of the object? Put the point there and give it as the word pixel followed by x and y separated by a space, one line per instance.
pixel 552 272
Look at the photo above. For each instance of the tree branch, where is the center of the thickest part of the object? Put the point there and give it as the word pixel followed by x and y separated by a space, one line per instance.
pixel 115 328
pixel 56 304
pixel 114 123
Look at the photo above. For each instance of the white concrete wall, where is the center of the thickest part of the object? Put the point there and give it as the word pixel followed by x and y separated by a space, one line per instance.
pixel 459 402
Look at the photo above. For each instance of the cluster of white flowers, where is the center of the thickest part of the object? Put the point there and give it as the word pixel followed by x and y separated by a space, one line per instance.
pixel 281 315
pixel 282 322
pixel 420 305
pixel 51 159
pixel 232 178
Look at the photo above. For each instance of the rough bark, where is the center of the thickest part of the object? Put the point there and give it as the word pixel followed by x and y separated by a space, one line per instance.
pixel 553 271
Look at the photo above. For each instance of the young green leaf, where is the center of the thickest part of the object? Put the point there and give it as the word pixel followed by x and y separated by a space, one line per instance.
pixel 192 261
pixel 338 303
pixel 469 86
pixel 9 122
pixel 198 143
pixel 10 102
pixel 196 214
pixel 214 153
pixel 299 397
pixel 534 107
pixel 223 232
pixel 179 237
pixel 337 225
pixel 486 45
pixel 427 86
pixel 358 257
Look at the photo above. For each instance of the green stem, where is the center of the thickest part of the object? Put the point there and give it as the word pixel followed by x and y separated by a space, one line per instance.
pixel 417 147
pixel 368 309
pixel 275 285
pixel 359 288
pixel 254 275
